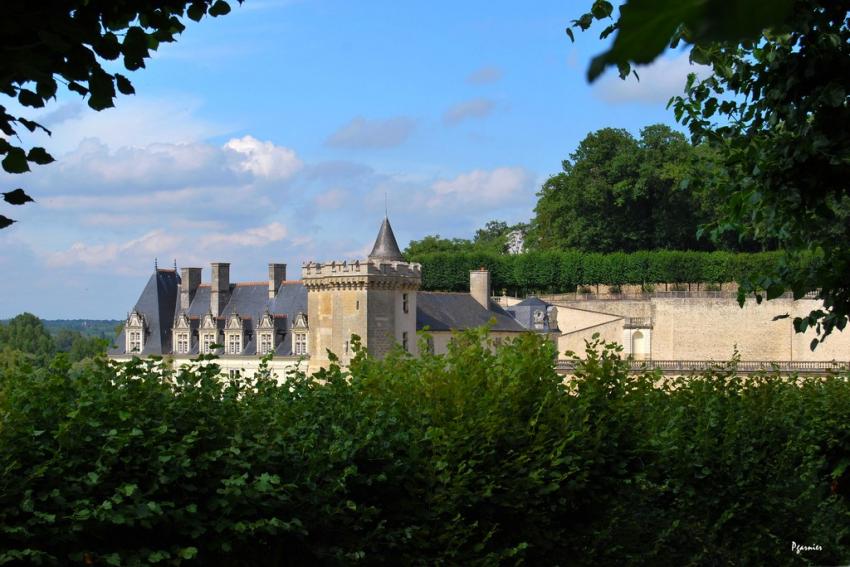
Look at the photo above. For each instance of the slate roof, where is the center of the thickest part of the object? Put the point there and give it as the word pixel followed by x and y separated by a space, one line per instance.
pixel 157 304
pixel 386 247
pixel 524 311
pixel 160 305
pixel 455 311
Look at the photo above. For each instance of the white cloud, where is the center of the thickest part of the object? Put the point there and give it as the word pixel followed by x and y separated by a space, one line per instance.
pixel 331 199
pixel 94 166
pixel 475 108
pixel 134 122
pixel 482 188
pixel 264 159
pixel 372 133
pixel 659 81
pixel 484 75
pixel 257 236
pixel 100 255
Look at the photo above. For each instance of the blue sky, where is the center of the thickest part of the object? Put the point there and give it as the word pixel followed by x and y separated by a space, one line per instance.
pixel 273 134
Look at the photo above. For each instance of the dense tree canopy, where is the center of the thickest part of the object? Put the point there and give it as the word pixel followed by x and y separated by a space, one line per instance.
pixel 50 43
pixel 618 193
pixel 493 238
pixel 26 333
pixel 776 109
pixel 26 336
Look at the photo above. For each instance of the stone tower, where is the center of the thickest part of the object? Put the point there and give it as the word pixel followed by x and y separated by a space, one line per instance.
pixel 373 298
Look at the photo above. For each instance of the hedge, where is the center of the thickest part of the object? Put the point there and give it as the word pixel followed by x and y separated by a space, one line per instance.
pixel 561 272
pixel 477 457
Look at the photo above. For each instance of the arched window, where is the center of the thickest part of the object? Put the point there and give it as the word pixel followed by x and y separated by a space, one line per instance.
pixel 639 345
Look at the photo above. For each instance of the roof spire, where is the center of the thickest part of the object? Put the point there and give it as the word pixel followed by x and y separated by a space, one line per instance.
pixel 155 266
pixel 386 247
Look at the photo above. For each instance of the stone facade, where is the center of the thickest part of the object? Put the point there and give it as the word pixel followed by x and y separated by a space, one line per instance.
pixel 299 322
pixel 296 323
pixel 699 329
pixel 374 299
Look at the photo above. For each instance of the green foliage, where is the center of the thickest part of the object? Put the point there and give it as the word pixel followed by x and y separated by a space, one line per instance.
pixel 618 193
pixel 646 28
pixel 70 43
pixel 481 456
pixel 563 271
pixel 28 336
pixel 434 243
pixel 100 328
pixel 491 239
pixel 776 112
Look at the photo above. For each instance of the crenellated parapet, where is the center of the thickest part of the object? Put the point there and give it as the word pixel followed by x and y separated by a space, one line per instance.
pixel 360 275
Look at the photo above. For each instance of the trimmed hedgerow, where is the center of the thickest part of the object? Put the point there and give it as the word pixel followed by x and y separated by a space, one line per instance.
pixel 563 271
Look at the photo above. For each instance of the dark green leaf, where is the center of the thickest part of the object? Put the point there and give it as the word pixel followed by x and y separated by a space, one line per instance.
pixel 29 98
pixel 124 85
pixel 17 197
pixel 196 11
pixel 219 8
pixel 15 161
pixel 39 156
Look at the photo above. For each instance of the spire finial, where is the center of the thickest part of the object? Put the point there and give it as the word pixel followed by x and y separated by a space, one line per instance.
pixel 155 265
pixel 175 264
pixel 386 208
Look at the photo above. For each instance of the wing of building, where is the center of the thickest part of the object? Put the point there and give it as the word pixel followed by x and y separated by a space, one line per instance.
pixel 299 321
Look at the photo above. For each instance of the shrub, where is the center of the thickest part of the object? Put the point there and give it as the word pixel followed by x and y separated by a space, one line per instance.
pixel 481 456
pixel 564 271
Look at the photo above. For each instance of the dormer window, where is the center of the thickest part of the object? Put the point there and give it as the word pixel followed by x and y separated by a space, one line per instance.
pixel 134 341
pixel 208 333
pixel 234 343
pixel 266 334
pixel 300 343
pixel 266 342
pixel 135 332
pixel 233 334
pixel 182 343
pixel 182 328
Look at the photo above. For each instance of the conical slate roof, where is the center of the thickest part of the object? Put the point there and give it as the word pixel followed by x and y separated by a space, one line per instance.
pixel 386 247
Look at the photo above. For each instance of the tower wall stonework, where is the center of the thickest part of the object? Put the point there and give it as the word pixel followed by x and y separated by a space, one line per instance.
pixel 362 298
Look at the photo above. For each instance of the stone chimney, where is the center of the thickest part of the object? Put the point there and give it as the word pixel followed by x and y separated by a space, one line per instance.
pixel 190 279
pixel 479 286
pixel 277 274
pixel 219 287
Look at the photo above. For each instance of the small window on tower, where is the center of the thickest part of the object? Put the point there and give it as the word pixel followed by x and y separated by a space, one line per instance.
pixel 404 341
pixel 404 303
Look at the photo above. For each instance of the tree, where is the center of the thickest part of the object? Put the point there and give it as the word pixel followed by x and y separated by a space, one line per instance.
pixel 776 108
pixel 495 236
pixel 618 193
pixel 43 44
pixel 434 243
pixel 26 333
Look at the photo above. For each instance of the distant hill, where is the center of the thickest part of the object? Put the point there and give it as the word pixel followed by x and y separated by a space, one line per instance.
pixel 101 328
